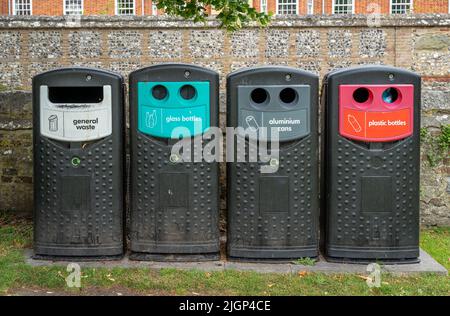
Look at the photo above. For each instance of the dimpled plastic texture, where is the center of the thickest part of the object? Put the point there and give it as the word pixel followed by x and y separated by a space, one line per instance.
pixel 78 209
pixel 274 216
pixel 371 189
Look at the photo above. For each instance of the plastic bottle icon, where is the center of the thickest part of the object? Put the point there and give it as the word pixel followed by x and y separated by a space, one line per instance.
pixel 354 123
pixel 252 123
pixel 150 119
pixel 53 123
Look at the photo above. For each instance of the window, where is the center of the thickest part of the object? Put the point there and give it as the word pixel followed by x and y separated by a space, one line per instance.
pixel 125 7
pixel 287 7
pixel 310 7
pixel 264 6
pixel 401 6
pixel 73 7
pixel 343 7
pixel 22 7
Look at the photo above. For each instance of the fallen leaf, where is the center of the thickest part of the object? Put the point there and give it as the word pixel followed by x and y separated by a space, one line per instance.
pixel 302 273
pixel 270 284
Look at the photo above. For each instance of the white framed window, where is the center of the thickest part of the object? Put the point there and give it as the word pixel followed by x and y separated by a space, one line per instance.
pixel 310 7
pixel 73 7
pixel 125 7
pixel 401 6
pixel 343 7
pixel 22 7
pixel 285 7
pixel 154 8
pixel 264 7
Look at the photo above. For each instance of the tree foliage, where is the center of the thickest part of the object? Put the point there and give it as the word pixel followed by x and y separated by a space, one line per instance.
pixel 233 14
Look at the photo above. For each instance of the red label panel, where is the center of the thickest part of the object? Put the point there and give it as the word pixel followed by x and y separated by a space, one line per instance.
pixel 374 120
pixel 376 125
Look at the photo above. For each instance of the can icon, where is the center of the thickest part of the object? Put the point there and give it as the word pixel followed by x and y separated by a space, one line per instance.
pixel 53 123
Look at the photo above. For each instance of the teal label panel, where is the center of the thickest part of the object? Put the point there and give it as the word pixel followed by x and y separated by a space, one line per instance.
pixel 173 116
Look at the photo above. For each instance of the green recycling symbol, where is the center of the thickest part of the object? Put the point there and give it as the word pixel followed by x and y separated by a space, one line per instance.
pixel 76 161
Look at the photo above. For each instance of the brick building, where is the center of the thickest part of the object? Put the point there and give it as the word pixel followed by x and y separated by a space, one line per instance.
pixel 304 7
pixel 147 7
pixel 85 7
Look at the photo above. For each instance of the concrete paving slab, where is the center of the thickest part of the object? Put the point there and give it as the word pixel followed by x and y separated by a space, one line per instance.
pixel 259 267
pixel 426 265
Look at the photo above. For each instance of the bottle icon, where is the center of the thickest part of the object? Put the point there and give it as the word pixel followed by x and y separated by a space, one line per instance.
pixel 53 123
pixel 150 119
pixel 252 123
pixel 354 123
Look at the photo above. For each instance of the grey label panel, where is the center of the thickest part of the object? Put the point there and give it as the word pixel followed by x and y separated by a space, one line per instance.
pixel 290 125
pixel 291 121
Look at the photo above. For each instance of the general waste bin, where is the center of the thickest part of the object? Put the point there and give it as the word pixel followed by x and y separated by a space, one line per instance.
pixel 174 201
pixel 371 164
pixel 273 214
pixel 78 163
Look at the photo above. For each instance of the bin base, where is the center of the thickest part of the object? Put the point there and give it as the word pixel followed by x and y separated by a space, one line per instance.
pixel 362 255
pixel 78 254
pixel 271 255
pixel 163 257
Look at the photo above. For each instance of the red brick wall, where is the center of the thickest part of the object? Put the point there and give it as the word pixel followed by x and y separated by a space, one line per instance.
pixel 431 6
pixel 361 6
pixel 91 7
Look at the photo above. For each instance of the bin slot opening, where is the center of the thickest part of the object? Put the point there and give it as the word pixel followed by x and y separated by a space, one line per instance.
pixel 75 94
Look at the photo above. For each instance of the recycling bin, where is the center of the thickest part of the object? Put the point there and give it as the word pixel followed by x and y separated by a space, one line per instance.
pixel 273 213
pixel 371 164
pixel 174 199
pixel 78 135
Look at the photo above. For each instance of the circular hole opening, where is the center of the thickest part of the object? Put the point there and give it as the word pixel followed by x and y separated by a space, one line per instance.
pixel 188 92
pixel 361 95
pixel 159 92
pixel 288 95
pixel 390 95
pixel 259 96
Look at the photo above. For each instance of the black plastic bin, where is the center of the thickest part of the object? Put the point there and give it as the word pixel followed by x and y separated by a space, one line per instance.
pixel 371 164
pixel 78 163
pixel 273 214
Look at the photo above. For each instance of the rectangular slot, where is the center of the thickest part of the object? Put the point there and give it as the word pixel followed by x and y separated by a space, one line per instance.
pixel 376 194
pixel 75 193
pixel 274 194
pixel 75 94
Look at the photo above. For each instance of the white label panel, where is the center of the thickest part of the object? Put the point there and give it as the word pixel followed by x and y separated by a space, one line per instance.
pixel 76 122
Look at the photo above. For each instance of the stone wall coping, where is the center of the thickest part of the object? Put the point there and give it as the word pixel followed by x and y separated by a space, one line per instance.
pixel 24 22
